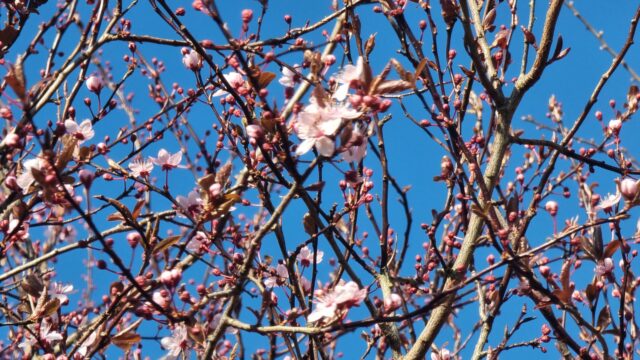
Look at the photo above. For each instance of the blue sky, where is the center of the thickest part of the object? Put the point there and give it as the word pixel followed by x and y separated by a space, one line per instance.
pixel 415 160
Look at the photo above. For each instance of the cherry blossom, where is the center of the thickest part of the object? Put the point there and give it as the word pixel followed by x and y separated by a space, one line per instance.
pixel 604 267
pixel 83 132
pixel 60 291
pixel 26 178
pixel 94 84
pixel 442 354
pixel 166 160
pixel 392 302
pixel 141 168
pixel 234 79
pixel 331 303
pixel 290 77
pixel 176 343
pixel 192 60
pixel 349 75
pixel 356 148
pixel 83 350
pixel 280 275
pixel 306 256
pixel 191 204
pixel 608 202
pixel 629 188
pixel 317 124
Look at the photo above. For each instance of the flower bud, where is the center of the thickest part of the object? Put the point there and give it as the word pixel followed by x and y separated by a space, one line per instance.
pixel 94 84
pixel 629 188
pixel 551 207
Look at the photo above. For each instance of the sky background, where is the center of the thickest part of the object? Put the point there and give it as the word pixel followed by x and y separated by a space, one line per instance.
pixel 414 159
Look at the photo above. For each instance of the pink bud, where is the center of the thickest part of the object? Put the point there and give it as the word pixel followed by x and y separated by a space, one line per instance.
pixel 94 84
pixel 392 302
pixel 86 177
pixel 12 140
pixel 215 190
pixel 629 188
pixel 192 60
pixel 247 15
pixel 255 131
pixel 614 126
pixel 551 207
pixel 133 238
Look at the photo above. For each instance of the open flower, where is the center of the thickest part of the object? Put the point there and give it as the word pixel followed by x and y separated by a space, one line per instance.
pixel 234 79
pixel 349 75
pixel 356 147
pixel 59 291
pixel 317 124
pixel 82 132
pixel 281 274
pixel 306 256
pixel 167 161
pixel 26 178
pixel 290 77
pixel 337 302
pixel 192 204
pixel 192 60
pixel 442 354
pixel 608 202
pixel 141 168
pixel 176 343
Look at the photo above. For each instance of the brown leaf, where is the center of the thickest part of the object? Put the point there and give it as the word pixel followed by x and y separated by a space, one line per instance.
pixel 166 243
pixel 65 155
pixel 611 249
pixel 309 224
pixel 32 285
pixel 604 318
pixel 125 340
pixel 369 45
pixel 264 79
pixel 16 80
pixel 138 208
pixel 8 35
pixel 487 23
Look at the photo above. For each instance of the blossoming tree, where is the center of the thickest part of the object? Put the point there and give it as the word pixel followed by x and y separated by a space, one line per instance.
pixel 356 179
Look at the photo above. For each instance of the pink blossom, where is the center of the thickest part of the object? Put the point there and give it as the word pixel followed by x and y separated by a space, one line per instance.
pixel 94 84
pixel 629 188
pixel 191 204
pixel 608 202
pixel 255 131
pixel 82 132
pixel 192 60
pixel 392 302
pixel 141 168
pixel 604 267
pixel 337 301
pixel 26 178
pixel 198 243
pixel 176 343
pixel 316 125
pixel 290 77
pixel 60 291
pixel 551 207
pixel 280 276
pixel 306 256
pixel 614 126
pixel 349 75
pixel 234 79
pixel 356 148
pixel 83 350
pixel 442 354
pixel 167 161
